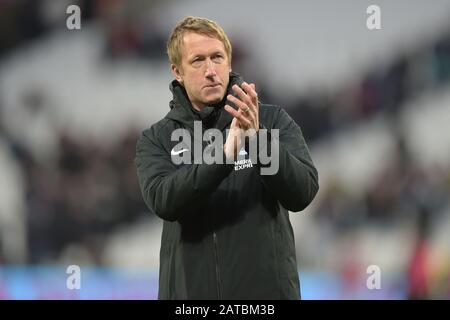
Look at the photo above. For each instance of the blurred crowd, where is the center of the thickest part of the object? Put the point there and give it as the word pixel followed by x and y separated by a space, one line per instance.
pixel 129 27
pixel 89 189
pixel 385 88
pixel 405 190
pixel 80 198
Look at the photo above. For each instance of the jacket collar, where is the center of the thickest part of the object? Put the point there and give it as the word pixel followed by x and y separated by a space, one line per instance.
pixel 183 112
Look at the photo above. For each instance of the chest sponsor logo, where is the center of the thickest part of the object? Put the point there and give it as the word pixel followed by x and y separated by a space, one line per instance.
pixel 242 163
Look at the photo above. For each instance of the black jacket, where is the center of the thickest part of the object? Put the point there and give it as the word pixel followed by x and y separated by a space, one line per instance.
pixel 226 232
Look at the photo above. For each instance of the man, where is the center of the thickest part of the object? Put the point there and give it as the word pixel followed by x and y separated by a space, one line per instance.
pixel 226 232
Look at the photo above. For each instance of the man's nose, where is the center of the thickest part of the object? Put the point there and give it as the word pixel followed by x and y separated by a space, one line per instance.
pixel 210 68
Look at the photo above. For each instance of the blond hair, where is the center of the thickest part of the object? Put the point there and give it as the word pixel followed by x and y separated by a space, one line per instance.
pixel 198 25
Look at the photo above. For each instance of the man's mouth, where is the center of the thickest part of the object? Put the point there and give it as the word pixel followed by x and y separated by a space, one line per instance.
pixel 214 85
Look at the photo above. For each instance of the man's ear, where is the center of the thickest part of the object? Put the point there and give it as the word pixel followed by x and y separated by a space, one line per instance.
pixel 177 73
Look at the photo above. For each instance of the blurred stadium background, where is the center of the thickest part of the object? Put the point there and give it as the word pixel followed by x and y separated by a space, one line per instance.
pixel 374 107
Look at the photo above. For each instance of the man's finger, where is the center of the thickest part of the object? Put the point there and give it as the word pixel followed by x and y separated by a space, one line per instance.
pixel 242 106
pixel 241 118
pixel 242 95
pixel 251 92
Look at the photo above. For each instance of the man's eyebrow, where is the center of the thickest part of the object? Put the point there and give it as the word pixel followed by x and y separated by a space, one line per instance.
pixel 203 55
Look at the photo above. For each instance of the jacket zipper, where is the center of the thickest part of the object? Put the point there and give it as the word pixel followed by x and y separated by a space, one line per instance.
pixel 216 256
pixel 216 251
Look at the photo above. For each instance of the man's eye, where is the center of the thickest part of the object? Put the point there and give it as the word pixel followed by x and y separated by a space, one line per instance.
pixel 196 61
pixel 217 57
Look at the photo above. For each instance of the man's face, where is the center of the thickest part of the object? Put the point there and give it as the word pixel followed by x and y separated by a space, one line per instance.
pixel 204 69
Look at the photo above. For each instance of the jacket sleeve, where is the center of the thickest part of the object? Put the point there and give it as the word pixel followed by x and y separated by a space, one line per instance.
pixel 170 191
pixel 295 184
